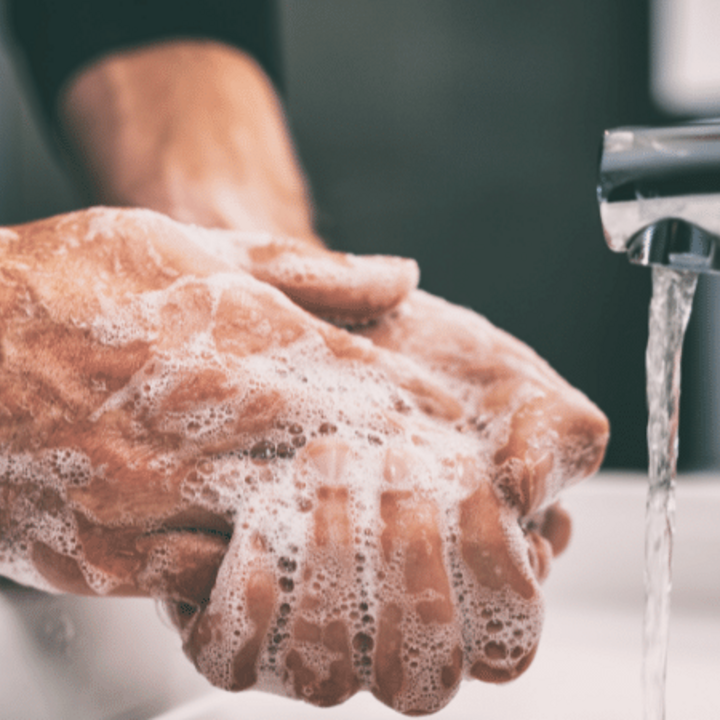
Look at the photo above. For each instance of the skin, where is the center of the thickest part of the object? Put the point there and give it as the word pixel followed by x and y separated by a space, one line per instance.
pixel 194 130
pixel 452 399
pixel 112 482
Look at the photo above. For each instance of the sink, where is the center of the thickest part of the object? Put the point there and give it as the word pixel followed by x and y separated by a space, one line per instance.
pixel 96 659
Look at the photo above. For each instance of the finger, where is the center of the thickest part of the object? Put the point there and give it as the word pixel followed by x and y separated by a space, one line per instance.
pixel 547 534
pixel 551 434
pixel 419 643
pixel 554 441
pixel 540 554
pixel 178 565
pixel 556 528
pixel 327 586
pixel 150 248
pixel 182 558
pixel 227 638
pixel 345 288
pixel 502 602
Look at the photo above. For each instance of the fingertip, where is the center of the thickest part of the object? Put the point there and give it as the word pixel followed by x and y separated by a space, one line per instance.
pixel 587 432
pixel 556 528
pixel 487 672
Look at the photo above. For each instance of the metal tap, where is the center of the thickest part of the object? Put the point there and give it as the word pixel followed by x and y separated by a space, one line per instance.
pixel 659 195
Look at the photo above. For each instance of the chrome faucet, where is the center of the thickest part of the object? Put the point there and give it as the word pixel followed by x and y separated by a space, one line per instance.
pixel 659 195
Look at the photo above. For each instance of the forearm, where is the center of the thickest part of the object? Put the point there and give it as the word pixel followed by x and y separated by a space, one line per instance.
pixel 193 129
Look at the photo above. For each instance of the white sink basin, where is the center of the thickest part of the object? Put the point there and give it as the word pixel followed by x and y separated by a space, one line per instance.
pixel 80 658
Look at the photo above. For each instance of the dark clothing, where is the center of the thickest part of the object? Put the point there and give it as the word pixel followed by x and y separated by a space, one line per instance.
pixel 59 37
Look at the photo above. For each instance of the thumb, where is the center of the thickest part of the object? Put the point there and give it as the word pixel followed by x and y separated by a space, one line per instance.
pixel 337 286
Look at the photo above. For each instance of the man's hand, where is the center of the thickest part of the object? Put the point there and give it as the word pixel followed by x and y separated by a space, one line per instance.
pixel 553 436
pixel 321 513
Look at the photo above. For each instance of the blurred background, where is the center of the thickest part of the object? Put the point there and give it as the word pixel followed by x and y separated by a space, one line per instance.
pixel 466 134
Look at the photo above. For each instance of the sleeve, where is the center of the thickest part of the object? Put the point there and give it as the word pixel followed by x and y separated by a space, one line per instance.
pixel 58 37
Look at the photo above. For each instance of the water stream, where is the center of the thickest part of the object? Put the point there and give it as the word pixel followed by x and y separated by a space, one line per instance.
pixel 670 308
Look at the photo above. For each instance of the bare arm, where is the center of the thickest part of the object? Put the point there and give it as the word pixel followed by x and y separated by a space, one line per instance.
pixel 193 129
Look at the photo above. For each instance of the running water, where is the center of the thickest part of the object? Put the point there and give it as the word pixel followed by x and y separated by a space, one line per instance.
pixel 672 298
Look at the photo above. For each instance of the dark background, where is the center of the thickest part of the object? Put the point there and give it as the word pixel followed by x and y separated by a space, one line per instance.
pixel 464 133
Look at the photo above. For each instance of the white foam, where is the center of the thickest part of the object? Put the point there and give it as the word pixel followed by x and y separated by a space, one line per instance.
pixel 7 235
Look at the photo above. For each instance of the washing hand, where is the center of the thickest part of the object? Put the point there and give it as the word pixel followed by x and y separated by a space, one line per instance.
pixel 321 512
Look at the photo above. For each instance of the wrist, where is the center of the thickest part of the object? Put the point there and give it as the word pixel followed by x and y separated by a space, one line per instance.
pixel 192 129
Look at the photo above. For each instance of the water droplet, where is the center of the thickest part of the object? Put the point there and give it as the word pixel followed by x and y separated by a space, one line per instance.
pixel 494 626
pixel 263 450
pixel 295 429
pixel 495 651
pixel 287 565
pixel 286 584
pixel 298 441
pixel 327 429
pixel 363 643
pixel 285 451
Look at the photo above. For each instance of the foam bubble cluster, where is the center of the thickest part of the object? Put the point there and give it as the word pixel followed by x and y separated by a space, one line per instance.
pixel 321 514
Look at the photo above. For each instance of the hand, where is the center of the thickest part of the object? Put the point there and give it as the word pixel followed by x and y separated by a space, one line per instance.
pixel 319 512
pixel 552 434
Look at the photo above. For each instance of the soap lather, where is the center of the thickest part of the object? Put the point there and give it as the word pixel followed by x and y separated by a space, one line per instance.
pixel 659 195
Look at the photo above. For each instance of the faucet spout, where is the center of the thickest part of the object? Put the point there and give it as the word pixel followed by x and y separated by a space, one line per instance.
pixel 659 195
pixel 675 243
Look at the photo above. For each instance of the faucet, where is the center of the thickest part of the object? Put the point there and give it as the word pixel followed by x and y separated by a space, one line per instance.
pixel 659 195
